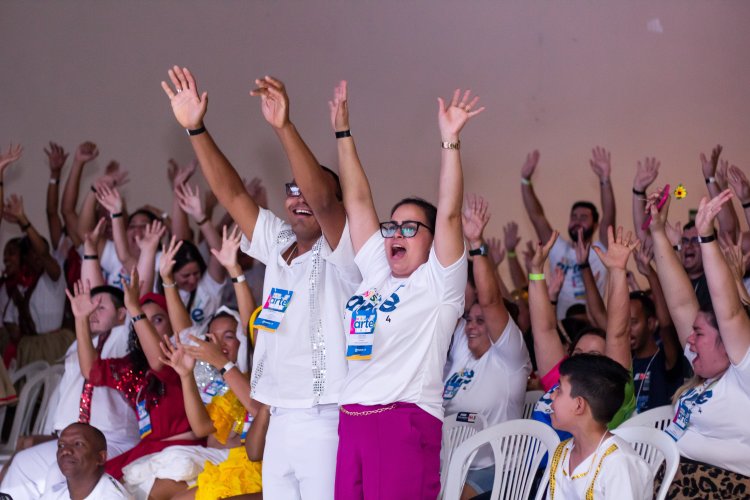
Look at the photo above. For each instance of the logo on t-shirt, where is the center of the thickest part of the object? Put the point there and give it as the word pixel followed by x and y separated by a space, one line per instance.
pixel 455 382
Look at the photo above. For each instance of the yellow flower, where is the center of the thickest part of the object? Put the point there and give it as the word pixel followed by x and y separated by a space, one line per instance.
pixel 680 192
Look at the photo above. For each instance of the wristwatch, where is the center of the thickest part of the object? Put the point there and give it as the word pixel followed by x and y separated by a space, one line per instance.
pixel 483 250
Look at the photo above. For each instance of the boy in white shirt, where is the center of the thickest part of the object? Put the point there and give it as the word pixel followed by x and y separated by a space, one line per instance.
pixel 594 463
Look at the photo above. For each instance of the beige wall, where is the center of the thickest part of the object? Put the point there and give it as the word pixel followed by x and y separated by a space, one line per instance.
pixel 561 76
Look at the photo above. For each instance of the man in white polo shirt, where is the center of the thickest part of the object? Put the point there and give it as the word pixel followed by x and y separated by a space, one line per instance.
pixel 299 361
pixel 31 470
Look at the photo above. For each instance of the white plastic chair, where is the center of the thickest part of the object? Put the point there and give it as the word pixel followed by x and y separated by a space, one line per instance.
pixel 532 397
pixel 655 447
pixel 658 418
pixel 50 400
pixel 31 392
pixel 455 432
pixel 518 447
pixel 16 376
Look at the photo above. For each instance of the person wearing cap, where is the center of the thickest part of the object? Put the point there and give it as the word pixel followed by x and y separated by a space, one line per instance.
pixel 102 407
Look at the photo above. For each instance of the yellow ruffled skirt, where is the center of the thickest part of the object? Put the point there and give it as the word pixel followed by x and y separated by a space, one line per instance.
pixel 235 476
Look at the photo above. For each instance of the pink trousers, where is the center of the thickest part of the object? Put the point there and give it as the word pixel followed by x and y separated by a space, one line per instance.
pixel 389 455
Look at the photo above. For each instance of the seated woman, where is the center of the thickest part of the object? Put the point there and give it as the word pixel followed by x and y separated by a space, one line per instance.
pixel 32 298
pixel 153 389
pixel 709 426
pixel 615 343
pixel 402 317
pixel 488 349
pixel 228 408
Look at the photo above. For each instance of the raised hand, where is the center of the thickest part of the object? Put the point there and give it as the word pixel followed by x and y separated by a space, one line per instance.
pixel 497 251
pixel 85 152
pixel 658 216
pixel 619 248
pixel 14 208
pixel 132 290
pixel 722 174
pixel 176 357
pixel 645 173
pixel 541 253
pixel 528 255
pixel 709 166
pixel 189 199
pixel 707 212
pixel 510 235
pixel 739 183
pixel 601 163
pixel 555 283
pixel 643 257
pixel 210 352
pixel 188 107
pixel 475 218
pixel 529 166
pixel 339 108
pixel 582 249
pixel 114 176
pixel 109 198
pixel 167 261
pixel 274 101
pixel 230 243
pixel 91 239
pixel 81 302
pixel 183 173
pixel 257 192
pixel 13 153
pixel 56 157
pixel 674 232
pixel 151 236
pixel 453 117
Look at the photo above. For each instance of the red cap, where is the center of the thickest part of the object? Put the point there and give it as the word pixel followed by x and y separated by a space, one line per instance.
pixel 156 298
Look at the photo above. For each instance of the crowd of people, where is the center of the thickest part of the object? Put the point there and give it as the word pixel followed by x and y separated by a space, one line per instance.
pixel 314 355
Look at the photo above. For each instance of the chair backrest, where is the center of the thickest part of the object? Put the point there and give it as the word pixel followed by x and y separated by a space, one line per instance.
pixel 50 400
pixel 30 394
pixel 457 428
pixel 532 397
pixel 28 370
pixel 655 447
pixel 658 418
pixel 518 447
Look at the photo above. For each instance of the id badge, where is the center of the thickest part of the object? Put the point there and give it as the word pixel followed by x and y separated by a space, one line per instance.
pixel 361 334
pixel 212 390
pixel 679 423
pixel 144 420
pixel 274 310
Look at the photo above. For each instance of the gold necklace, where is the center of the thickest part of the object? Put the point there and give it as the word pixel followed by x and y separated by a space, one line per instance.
pixel 593 459
pixel 290 257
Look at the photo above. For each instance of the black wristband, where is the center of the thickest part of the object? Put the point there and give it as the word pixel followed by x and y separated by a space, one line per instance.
pixel 585 265
pixel 639 193
pixel 343 133
pixel 746 205
pixel 116 215
pixel 138 318
pixel 195 131
pixel 203 220
pixel 707 239
pixel 25 227
pixel 93 189
pixel 90 257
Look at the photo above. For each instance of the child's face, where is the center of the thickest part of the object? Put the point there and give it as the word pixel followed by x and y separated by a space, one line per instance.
pixel 563 405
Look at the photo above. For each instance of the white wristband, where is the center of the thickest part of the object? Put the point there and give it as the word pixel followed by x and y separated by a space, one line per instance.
pixel 239 279
pixel 227 367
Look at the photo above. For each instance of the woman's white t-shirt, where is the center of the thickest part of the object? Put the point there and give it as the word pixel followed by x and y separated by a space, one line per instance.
pixel 718 432
pixel 493 385
pixel 207 299
pixel 413 327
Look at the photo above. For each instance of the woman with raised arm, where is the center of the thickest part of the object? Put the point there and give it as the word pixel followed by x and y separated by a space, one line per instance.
pixel 614 343
pixel 709 426
pixel 401 319
pixel 153 389
pixel 488 349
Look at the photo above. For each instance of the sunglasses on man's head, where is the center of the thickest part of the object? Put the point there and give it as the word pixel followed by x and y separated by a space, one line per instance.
pixel 408 228
pixel 292 189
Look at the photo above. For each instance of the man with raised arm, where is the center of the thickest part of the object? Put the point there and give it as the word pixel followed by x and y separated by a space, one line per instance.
pixel 583 216
pixel 299 361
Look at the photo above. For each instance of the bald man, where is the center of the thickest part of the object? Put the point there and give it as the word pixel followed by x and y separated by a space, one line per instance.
pixel 81 453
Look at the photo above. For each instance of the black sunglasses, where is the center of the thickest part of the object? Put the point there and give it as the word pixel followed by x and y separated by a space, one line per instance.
pixel 408 228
